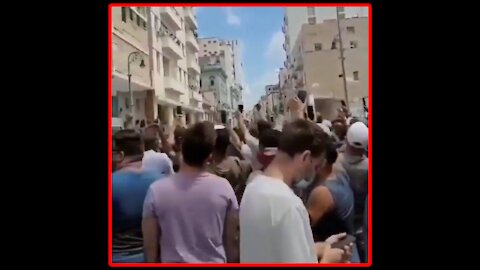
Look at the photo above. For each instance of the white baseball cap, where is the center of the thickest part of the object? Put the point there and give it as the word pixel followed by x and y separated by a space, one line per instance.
pixel 357 135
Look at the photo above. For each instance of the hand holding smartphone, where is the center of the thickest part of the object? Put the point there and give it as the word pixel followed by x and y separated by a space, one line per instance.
pixel 341 243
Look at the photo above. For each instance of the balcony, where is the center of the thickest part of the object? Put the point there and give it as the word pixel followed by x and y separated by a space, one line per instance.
pixel 171 17
pixel 172 84
pixel 191 40
pixel 193 66
pixel 284 30
pixel 284 47
pixel 195 95
pixel 171 45
pixel 190 18
pixel 285 64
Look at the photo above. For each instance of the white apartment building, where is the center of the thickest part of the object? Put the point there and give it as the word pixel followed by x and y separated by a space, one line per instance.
pixel 316 65
pixel 273 100
pixel 129 34
pixel 165 38
pixel 229 56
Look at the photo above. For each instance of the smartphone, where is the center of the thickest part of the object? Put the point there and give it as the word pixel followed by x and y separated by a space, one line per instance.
pixel 344 242
pixel 240 108
pixel 302 95
pixel 310 113
pixel 223 116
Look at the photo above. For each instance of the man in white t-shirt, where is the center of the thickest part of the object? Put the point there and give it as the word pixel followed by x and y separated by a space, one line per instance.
pixel 153 160
pixel 274 223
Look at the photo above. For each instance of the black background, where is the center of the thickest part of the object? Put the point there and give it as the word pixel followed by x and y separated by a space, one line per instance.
pixel 56 196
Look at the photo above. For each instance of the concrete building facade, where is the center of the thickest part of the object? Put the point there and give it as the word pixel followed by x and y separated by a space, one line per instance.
pixel 314 64
pixel 166 40
pixel 295 17
pixel 213 81
pixel 228 54
pixel 273 99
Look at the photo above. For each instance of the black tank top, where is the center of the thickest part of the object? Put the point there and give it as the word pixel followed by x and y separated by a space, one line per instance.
pixel 339 219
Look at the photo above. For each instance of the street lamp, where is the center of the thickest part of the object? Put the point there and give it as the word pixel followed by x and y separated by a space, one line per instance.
pixel 342 58
pixel 133 56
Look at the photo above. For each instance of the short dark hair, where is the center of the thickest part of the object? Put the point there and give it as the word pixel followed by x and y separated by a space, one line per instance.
pixel 129 142
pixel 198 143
pixel 263 125
pixel 151 143
pixel 179 133
pixel 331 153
pixel 253 131
pixel 142 123
pixel 302 135
pixel 222 141
pixel 269 138
pixel 354 120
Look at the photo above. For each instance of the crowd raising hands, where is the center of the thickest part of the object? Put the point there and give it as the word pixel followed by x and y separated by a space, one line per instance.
pixel 290 191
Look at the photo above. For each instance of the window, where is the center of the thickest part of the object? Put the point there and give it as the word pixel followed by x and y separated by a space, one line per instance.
pixel 144 25
pixel 124 14
pixel 350 29
pixel 127 103
pixel 312 20
pixel 209 41
pixel 131 14
pixel 200 83
pixel 212 81
pixel 139 20
pixel 334 45
pixel 204 45
pixel 311 11
pixel 215 52
pixel 204 51
pixel 353 44
pixel 218 61
pixel 355 75
pixel 180 73
pixel 114 106
pixel 318 46
pixel 214 41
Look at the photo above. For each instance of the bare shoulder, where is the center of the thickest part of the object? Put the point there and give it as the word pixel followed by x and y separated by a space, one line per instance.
pixel 320 192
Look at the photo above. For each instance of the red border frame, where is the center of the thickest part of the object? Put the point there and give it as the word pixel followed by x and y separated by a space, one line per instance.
pixel 239 264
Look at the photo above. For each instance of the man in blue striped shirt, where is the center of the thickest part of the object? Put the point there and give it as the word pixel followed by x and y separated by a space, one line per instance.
pixel 129 187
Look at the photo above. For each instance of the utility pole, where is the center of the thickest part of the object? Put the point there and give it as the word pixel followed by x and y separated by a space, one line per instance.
pixel 342 59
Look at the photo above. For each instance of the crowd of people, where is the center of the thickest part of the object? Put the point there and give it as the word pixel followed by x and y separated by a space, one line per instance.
pixel 260 192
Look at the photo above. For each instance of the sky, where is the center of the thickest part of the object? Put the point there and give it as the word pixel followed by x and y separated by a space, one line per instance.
pixel 259 31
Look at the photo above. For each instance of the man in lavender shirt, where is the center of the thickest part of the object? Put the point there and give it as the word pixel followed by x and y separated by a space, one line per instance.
pixel 192 216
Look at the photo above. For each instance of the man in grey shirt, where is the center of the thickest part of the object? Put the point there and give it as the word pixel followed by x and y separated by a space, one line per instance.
pixel 353 160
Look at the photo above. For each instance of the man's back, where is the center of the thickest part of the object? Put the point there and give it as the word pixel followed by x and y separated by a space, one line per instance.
pixel 191 211
pixel 357 171
pixel 274 224
pixel 129 189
